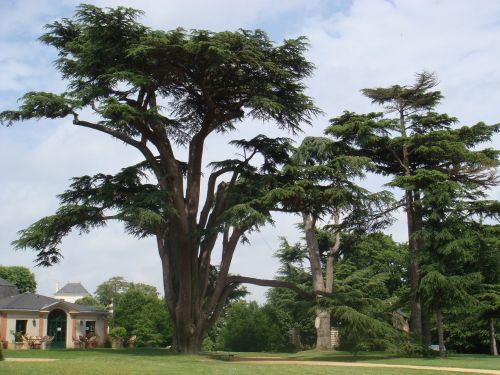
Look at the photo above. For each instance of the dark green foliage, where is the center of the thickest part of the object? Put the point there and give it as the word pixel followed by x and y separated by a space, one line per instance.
pixel 441 170
pixel 118 333
pixel 248 327
pixel 111 290
pixel 39 105
pixel 140 312
pixel 293 269
pixel 467 332
pixel 369 274
pixel 20 276
pixel 139 205
pixel 102 50
pixel 137 309
pixel 376 256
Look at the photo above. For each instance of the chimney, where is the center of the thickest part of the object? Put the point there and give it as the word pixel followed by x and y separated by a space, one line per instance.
pixel 57 286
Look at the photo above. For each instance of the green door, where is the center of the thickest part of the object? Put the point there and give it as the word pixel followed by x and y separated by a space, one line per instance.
pixel 56 326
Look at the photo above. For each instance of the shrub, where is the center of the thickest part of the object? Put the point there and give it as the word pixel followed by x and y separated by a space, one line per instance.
pixel 118 333
pixel 249 327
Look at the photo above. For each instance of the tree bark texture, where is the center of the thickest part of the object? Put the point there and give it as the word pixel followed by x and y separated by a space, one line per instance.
pixel 189 234
pixel 426 329
pixel 413 243
pixel 322 283
pixel 493 340
pixel 440 329
pixel 323 328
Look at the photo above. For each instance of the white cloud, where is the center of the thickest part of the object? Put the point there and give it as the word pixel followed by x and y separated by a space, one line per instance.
pixel 214 15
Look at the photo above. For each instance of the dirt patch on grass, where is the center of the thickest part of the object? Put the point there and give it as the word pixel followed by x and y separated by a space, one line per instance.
pixel 279 361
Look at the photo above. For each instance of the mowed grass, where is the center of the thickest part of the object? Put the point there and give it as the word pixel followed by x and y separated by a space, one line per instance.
pixel 158 361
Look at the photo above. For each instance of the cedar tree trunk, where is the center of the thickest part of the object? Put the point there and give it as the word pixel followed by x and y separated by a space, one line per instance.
pixel 426 329
pixel 321 284
pixel 493 341
pixel 439 322
pixel 322 324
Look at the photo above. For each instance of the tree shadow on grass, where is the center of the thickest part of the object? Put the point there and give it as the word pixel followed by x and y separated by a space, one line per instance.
pixel 143 352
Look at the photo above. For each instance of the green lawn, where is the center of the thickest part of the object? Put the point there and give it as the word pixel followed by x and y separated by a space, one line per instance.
pixel 157 361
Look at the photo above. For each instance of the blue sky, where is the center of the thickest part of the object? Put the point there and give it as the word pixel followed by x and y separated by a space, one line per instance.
pixel 354 44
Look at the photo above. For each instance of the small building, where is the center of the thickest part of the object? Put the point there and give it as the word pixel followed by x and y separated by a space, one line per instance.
pixel 401 320
pixel 36 315
pixel 71 292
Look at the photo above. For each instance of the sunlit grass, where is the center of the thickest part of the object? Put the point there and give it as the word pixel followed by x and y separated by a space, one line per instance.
pixel 158 361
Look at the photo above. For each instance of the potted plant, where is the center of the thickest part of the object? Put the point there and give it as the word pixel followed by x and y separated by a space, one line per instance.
pixel 117 335
pixel 18 339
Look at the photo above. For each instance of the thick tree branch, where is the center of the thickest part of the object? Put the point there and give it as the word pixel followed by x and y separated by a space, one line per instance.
pixel 332 251
pixel 275 284
pixel 141 146
pixel 209 201
pixel 221 303
pixel 309 223
pixel 229 246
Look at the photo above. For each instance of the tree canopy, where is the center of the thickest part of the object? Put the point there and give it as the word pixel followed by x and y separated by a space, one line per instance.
pixel 156 91
pixel 20 276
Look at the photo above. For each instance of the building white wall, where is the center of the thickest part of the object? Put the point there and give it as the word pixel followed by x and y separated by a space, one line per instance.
pixel 79 320
pixel 31 330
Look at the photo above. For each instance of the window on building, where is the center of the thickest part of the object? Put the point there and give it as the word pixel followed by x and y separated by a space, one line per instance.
pixel 21 326
pixel 90 328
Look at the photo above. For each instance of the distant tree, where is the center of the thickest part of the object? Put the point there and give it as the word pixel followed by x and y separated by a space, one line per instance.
pixel 20 276
pixel 293 268
pixel 449 237
pixel 369 273
pixel 318 183
pixel 90 301
pixel 142 313
pixel 440 292
pixel 1 354
pixel 145 289
pixel 474 328
pixel 412 144
pixel 250 327
pixel 489 266
pixel 111 290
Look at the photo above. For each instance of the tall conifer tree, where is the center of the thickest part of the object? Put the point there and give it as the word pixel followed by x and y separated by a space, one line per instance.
pixel 412 144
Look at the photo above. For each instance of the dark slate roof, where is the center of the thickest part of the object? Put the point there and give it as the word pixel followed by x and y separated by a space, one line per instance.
pixel 72 288
pixel 7 289
pixel 35 302
pixel 4 282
